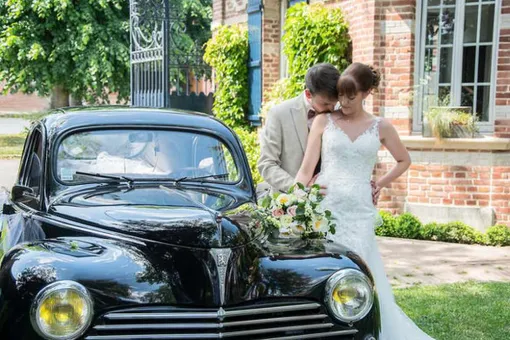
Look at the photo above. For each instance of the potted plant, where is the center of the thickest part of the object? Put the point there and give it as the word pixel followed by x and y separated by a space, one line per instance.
pixel 449 122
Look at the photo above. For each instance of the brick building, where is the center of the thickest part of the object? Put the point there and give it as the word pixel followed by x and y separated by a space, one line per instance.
pixel 463 48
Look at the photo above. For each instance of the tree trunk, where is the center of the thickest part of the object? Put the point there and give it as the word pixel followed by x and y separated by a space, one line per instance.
pixel 75 101
pixel 59 97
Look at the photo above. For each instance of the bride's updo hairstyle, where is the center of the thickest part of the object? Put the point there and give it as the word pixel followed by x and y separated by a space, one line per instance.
pixel 358 77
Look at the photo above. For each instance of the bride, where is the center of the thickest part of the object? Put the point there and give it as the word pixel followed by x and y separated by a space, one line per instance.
pixel 348 141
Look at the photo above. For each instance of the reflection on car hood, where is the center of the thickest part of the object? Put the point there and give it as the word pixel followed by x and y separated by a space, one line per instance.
pixel 173 217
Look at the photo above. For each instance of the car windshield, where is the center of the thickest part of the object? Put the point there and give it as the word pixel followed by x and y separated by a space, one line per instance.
pixel 144 154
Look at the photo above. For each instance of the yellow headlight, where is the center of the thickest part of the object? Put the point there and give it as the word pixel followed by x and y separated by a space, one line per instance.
pixel 349 295
pixel 62 310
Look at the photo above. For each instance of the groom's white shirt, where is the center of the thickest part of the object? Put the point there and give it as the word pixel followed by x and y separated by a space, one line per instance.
pixel 283 143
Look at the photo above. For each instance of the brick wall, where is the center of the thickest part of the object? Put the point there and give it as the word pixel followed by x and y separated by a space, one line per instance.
pixel 271 32
pixel 382 34
pixel 23 103
pixel 460 178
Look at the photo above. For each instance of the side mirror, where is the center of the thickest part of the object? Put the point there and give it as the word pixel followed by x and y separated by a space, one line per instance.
pixel 20 192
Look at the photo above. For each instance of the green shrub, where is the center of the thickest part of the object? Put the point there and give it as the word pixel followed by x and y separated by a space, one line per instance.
pixel 498 235
pixel 389 226
pixel 250 141
pixel 431 231
pixel 313 34
pixel 455 232
pixel 408 226
pixel 227 53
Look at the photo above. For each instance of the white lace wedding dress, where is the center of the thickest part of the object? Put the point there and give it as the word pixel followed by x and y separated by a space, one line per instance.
pixel 347 167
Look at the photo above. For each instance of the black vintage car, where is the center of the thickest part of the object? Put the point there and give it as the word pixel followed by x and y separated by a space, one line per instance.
pixel 144 235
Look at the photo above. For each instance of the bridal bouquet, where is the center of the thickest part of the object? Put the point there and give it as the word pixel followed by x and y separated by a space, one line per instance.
pixel 297 213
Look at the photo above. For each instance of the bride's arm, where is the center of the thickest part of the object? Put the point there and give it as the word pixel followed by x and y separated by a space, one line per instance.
pixel 391 140
pixel 313 150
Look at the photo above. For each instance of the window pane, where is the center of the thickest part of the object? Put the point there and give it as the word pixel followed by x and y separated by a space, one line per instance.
pixel 467 96
pixel 444 96
pixel 432 27
pixel 447 26
pixel 470 24
pixel 449 2
pixel 488 18
pixel 482 103
pixel 484 64
pixel 430 60
pixel 434 2
pixel 445 72
pixel 468 64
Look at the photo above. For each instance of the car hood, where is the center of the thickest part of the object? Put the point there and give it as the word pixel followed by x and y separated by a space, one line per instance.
pixel 174 217
pixel 121 273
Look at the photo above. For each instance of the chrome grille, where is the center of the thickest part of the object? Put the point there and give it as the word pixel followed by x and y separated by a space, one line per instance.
pixel 290 321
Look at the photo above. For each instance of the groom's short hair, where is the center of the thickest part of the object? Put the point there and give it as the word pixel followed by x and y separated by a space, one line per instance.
pixel 322 79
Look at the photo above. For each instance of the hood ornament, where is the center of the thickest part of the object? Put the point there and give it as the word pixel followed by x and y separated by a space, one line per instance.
pixel 221 257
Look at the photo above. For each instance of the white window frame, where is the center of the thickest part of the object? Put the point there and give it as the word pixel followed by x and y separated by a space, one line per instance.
pixel 456 81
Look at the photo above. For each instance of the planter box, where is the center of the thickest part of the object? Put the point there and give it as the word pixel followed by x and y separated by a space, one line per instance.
pixel 458 131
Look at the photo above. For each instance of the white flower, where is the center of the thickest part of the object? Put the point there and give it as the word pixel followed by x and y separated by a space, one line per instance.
pixel 300 194
pixel 283 199
pixel 320 225
pixel 320 209
pixel 286 220
pixel 297 228
pixel 293 198
pixel 285 232
pixel 313 198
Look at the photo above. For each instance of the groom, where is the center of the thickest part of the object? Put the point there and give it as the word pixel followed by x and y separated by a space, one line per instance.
pixel 283 139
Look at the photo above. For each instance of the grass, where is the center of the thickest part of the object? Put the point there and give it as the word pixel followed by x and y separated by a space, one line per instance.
pixel 27 116
pixel 459 311
pixel 11 146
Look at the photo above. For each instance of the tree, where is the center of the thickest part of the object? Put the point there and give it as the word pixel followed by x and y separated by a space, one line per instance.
pixel 78 47
pixel 65 47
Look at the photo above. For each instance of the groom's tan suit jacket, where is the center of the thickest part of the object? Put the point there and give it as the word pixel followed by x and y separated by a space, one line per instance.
pixel 283 143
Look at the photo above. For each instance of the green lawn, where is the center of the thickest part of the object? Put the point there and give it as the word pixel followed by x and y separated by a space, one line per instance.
pixel 11 146
pixel 463 311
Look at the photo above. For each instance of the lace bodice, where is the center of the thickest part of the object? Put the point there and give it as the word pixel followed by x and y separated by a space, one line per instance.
pixel 346 171
pixel 344 159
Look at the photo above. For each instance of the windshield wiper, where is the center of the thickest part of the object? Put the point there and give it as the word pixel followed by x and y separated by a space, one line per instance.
pixel 128 180
pixel 199 179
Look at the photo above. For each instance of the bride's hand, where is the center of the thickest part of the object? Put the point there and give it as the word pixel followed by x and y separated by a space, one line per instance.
pixel 323 189
pixel 376 191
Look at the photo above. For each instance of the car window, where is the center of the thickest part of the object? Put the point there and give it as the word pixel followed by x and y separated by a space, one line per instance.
pixel 33 166
pixel 144 154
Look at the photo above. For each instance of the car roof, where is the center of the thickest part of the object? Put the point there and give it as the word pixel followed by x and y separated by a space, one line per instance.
pixel 65 119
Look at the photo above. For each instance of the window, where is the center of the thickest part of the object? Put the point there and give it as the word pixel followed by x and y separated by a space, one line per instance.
pixel 456 54
pixel 144 154
pixel 33 167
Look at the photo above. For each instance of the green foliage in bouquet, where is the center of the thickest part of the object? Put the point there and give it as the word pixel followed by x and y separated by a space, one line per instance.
pixel 297 213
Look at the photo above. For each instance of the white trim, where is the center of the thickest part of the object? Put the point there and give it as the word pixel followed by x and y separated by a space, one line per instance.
pixel 395 112
pixel 418 42
pixel 505 19
pixel 502 112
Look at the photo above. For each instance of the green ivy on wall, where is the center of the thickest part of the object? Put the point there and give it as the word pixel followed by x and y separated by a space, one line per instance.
pixel 227 53
pixel 313 34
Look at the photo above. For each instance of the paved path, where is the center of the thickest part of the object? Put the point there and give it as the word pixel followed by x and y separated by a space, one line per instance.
pixel 411 262
pixel 10 126
pixel 8 172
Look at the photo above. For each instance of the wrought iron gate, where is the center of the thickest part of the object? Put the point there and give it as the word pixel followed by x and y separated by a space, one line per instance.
pixel 162 73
